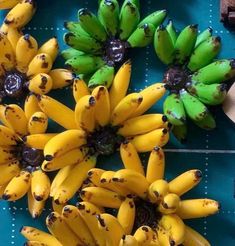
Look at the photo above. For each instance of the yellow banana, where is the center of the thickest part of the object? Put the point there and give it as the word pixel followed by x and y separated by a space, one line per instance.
pixel 144 235
pixel 8 136
pixel 2 189
pixel 51 47
pixel 155 241
pixel 128 240
pixel 126 215
pixel 57 207
pixel 13 35
pixel 54 109
pixel 130 157
pixel 6 154
pixel 31 106
pixel 21 14
pixel 38 123
pixel 8 4
pixel 156 165
pixel 169 203
pixel 142 124
pixel 34 234
pixel 85 113
pixel 40 185
pixel 35 243
pixel 80 89
pixel 185 182
pixel 58 228
pixel 40 84
pixel 150 96
pixel 35 207
pixel 94 176
pixel 133 181
pixel 17 187
pixel 125 108
pixel 9 171
pixel 74 220
pixel 102 106
pixel 197 208
pixel 157 190
pixel 73 182
pixel 61 78
pixel 4 28
pixel 26 49
pixel 120 84
pixel 164 237
pixel 147 141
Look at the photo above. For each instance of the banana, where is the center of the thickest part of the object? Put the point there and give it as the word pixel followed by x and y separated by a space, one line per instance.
pixel 129 19
pixel 73 182
pixel 215 72
pixel 108 15
pixel 204 53
pixel 194 108
pixel 58 228
pixel 169 204
pixel 17 187
pixel 197 208
pixel 51 47
pixel 26 49
pixel 94 175
pixel 185 182
pixel 147 141
pixel 174 109
pixel 57 207
pixel 35 207
pixel 70 53
pixel 128 240
pixel 185 43
pixel 172 32
pixel 8 4
pixel 144 235
pixel 35 243
pixel 156 18
pixel 156 165
pixel 61 78
pixel 133 181
pixel 208 123
pixel 21 14
pixel 9 171
pixel 13 35
pixel 80 89
pixel 8 136
pixel 125 108
pixel 31 106
pixel 103 76
pixel 180 132
pixel 34 234
pixel 38 123
pixel 163 237
pixel 164 46
pixel 158 190
pixel 204 36
pixel 130 157
pixel 102 106
pixel 135 2
pixel 126 215
pixel 75 27
pixel 6 154
pixel 54 109
pixel 4 28
pixel 85 113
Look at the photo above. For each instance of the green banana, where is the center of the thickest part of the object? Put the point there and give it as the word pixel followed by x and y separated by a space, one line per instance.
pixel 75 28
pixel 174 109
pixel 208 123
pixel 180 132
pixel 204 36
pixel 216 72
pixel 103 76
pixel 90 23
pixel 142 36
pixel 108 15
pixel 135 2
pixel 195 109
pixel 185 43
pixel 171 30
pixel 213 94
pixel 156 18
pixel 205 53
pixel 129 19
pixel 70 53
pixel 163 45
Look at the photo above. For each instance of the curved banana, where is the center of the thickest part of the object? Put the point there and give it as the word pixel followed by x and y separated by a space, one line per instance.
pixel 204 36
pixel 172 31
pixel 40 84
pixel 163 237
pixel 35 207
pixel 169 203
pixel 208 123
pixel 128 240
pixel 144 235
pixel 94 175
pixel 8 4
pixel 8 171
pixel 80 89
pixel 57 207
pixel 13 35
pixel 8 136
pixel 51 47
pixel 156 18
pixel 35 243
pixel 31 106
pixel 38 123
pixel 158 190
pixel 61 78
pixel 6 154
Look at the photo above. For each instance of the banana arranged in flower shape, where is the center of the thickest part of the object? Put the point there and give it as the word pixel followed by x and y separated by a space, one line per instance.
pixel 22 140
pixel 193 78
pixel 101 121
pixel 150 213
pixel 99 44
pixel 25 67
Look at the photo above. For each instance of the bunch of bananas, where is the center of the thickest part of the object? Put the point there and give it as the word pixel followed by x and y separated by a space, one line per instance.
pixel 100 43
pixel 100 122
pixel 192 78
pixel 22 139
pixel 150 211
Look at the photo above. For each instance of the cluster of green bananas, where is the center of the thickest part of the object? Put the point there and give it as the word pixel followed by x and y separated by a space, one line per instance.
pixel 99 43
pixel 193 78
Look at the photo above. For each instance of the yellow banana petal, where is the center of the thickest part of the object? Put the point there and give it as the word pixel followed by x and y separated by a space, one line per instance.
pixel 31 106
pixel 35 207
pixel 51 47
pixel 61 78
pixel 38 123
pixel 13 35
pixel 40 84
pixel 80 89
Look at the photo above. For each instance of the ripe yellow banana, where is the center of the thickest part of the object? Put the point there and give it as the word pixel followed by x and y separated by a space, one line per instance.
pixel 157 190
pixel 6 154
pixel 54 109
pixel 35 243
pixel 13 35
pixel 144 235
pixel 51 47
pixel 147 141
pixel 169 203
pixel 61 78
pixel 130 157
pixel 94 175
pixel 128 240
pixel 8 136
pixel 8 4
pixel 156 165
pixel 120 84
pixel 2 189
pixel 164 237
pixel 9 171
pixel 185 182
pixel 57 207
pixel 80 89
pixel 34 234
pixel 40 84
pixel 38 123
pixel 35 207
pixel 31 106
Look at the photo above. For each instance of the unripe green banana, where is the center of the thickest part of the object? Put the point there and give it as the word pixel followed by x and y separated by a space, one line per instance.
pixel 90 23
pixel 70 53
pixel 171 30
pixel 174 109
pixel 135 2
pixel 194 108
pixel 204 36
pixel 103 76
pixel 180 132
pixel 208 123
pixel 75 28
pixel 156 18
pixel 163 45
pixel 129 19
pixel 108 15
pixel 205 53
pixel 215 72
pixel 185 43
pixel 142 36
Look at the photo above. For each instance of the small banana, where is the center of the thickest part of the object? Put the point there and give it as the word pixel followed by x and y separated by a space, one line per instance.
pixel 35 207
pixel 8 4
pixel 57 207
pixel 94 175
pixel 34 243
pixel 61 78
pixel 180 132
pixel 169 204
pixel 144 235
pixel 6 154
pixel 50 47
pixel 13 35
pixel 172 32
pixel 128 240
pixel 75 27
pixel 8 136
pixel 158 190
pixel 208 123
pixel 156 18
pixel 80 89
pixel 38 123
pixel 70 53
pixel 8 171
pixel 204 36
pixel 31 105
